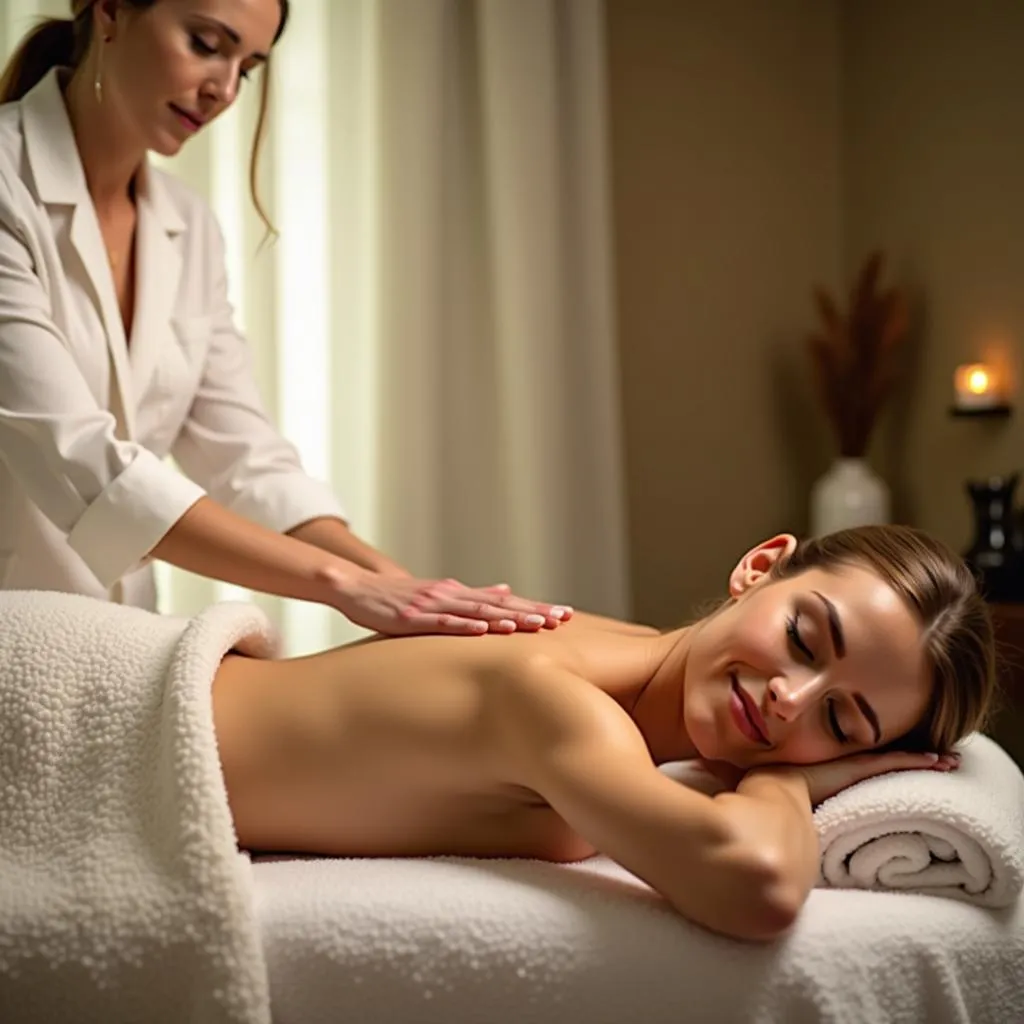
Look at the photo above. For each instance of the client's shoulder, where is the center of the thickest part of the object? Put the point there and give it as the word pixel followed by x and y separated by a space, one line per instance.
pixel 545 704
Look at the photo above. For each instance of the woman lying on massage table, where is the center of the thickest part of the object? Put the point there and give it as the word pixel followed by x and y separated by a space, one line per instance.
pixel 831 661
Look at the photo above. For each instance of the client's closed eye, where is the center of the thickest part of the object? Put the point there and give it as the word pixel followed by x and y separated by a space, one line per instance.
pixel 795 637
pixel 833 721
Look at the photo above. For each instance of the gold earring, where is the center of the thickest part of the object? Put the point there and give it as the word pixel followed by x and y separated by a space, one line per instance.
pixel 97 84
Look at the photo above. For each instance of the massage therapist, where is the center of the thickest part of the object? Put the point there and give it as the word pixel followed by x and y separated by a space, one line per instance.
pixel 117 346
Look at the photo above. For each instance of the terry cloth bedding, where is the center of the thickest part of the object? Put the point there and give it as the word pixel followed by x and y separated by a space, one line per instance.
pixel 521 942
pixel 122 896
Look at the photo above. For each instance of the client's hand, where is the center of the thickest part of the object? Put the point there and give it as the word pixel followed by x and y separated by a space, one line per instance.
pixel 831 777
pixel 402 605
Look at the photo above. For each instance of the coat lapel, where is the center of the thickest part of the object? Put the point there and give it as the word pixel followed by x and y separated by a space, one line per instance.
pixel 60 182
pixel 87 241
pixel 157 250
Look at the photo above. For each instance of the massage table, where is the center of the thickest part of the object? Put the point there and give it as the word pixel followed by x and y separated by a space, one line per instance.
pixel 518 942
pixel 461 941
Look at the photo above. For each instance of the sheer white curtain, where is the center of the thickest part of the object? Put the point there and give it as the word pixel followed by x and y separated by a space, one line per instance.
pixel 434 326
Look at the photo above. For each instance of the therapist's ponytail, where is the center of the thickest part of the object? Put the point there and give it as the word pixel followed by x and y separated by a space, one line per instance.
pixel 50 44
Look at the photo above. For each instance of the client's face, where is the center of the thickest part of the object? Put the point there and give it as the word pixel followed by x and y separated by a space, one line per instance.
pixel 804 670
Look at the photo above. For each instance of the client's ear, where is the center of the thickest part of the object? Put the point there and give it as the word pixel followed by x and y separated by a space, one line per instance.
pixel 755 565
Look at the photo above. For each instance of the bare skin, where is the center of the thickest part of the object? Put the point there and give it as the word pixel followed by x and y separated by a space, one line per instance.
pixel 398 747
pixel 119 237
pixel 545 745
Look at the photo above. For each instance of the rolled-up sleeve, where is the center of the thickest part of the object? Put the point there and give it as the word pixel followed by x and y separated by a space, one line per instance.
pixel 228 444
pixel 112 498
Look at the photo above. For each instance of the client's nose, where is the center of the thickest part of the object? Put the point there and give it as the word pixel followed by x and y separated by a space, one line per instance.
pixel 788 696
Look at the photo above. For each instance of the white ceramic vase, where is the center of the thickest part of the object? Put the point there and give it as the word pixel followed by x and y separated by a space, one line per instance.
pixel 849 494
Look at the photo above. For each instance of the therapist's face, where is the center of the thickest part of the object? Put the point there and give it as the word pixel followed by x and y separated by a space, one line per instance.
pixel 171 67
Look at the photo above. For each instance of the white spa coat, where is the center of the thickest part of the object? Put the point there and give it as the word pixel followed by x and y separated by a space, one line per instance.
pixel 86 419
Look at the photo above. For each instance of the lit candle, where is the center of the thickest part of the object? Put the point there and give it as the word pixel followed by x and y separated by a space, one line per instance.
pixel 976 386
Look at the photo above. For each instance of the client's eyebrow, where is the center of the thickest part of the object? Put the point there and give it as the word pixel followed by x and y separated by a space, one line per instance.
pixel 835 627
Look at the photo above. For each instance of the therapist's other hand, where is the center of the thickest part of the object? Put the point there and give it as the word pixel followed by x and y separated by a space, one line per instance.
pixel 402 606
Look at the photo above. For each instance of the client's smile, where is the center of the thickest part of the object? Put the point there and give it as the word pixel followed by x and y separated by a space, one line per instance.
pixel 751 710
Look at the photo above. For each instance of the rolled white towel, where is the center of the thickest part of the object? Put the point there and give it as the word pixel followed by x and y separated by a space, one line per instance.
pixel 958 834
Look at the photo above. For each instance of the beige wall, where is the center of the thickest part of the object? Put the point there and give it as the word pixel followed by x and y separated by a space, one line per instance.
pixel 934 170
pixel 727 195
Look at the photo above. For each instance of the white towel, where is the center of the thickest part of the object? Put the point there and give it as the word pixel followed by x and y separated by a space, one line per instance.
pixel 122 894
pixel 958 834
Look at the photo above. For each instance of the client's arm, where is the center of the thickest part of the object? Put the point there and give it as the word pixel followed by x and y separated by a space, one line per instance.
pixel 742 866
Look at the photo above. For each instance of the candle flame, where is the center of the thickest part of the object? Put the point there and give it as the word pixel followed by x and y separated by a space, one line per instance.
pixel 978 381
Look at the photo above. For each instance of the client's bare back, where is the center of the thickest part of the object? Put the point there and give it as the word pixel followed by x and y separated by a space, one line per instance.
pixel 396 747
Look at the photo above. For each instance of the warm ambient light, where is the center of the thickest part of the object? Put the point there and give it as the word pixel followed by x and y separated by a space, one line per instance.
pixel 977 386
pixel 978 381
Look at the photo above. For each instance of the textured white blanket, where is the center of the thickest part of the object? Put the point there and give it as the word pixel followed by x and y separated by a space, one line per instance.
pixel 957 834
pixel 122 896
pixel 522 942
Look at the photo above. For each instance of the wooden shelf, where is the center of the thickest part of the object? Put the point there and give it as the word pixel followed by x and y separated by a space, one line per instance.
pixel 1007 727
pixel 993 412
pixel 1007 611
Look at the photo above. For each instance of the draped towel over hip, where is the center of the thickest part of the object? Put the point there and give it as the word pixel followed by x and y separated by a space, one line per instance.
pixel 123 896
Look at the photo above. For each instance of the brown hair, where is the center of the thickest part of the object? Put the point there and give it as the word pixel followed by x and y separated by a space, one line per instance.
pixel 64 42
pixel 941 590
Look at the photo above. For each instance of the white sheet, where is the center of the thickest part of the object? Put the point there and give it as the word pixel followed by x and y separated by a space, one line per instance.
pixel 522 942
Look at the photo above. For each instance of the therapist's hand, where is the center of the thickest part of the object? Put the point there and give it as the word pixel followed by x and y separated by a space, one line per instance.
pixel 402 605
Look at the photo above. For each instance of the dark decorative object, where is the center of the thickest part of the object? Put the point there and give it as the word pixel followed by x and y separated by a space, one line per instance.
pixel 997 555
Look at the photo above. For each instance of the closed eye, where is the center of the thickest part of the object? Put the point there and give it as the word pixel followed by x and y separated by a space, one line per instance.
pixel 205 49
pixel 201 46
pixel 833 721
pixel 793 632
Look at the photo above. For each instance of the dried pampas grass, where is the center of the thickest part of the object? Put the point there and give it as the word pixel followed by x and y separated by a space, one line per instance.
pixel 856 357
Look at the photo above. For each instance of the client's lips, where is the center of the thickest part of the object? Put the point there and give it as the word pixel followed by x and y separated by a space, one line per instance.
pixel 752 711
